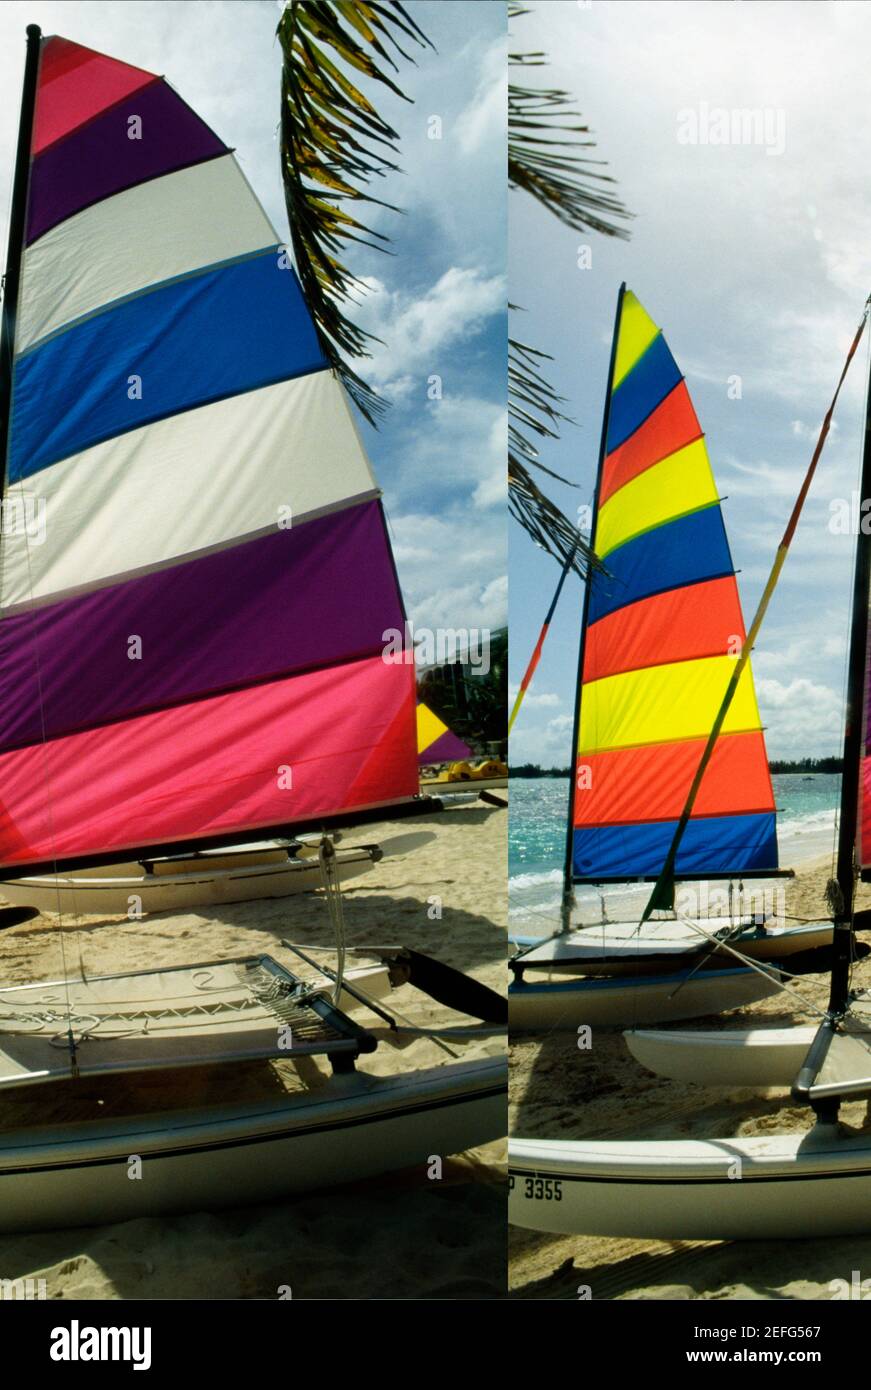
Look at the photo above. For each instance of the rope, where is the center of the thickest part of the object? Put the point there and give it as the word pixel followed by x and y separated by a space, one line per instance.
pixel 335 907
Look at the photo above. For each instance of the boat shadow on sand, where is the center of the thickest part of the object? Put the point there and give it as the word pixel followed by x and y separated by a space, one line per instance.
pixel 650 1270
pixel 389 918
pixel 361 1240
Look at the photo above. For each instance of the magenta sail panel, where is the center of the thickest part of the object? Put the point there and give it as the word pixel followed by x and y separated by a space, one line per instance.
pixel 273 755
pixel 273 605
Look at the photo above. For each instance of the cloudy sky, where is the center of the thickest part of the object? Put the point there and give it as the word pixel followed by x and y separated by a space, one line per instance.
pixel 756 261
pixel 438 301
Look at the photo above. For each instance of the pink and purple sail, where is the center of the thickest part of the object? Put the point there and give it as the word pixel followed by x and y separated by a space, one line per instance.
pixel 191 641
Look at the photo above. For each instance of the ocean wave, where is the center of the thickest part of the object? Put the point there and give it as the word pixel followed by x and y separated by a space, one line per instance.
pixel 520 882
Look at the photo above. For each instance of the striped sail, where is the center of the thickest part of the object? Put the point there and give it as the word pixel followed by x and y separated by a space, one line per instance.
pixel 194 647
pixel 663 626
pixel 436 743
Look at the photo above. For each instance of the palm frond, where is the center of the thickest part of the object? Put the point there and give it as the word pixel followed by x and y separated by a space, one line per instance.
pixel 534 410
pixel 333 145
pixel 544 522
pixel 553 169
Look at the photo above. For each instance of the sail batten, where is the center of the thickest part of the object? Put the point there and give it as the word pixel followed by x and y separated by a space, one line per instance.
pixel 196 608
pixel 663 630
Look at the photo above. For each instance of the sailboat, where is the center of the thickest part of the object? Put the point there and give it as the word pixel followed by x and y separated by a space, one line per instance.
pixel 200 878
pixel 660 630
pixel 447 761
pixel 436 743
pixel 191 655
pixel 771 1186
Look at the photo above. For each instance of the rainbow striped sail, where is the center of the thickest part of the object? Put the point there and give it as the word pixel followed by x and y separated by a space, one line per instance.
pixel 436 743
pixel 196 648
pixel 662 628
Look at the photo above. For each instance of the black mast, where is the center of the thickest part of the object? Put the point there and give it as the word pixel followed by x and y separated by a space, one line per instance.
pixel 568 876
pixel 843 939
pixel 853 734
pixel 17 217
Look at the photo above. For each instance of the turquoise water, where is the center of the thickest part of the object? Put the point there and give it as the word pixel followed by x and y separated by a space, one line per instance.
pixel 537 831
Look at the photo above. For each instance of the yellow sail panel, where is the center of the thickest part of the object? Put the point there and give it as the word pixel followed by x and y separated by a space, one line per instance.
pixel 662 704
pixel 429 727
pixel 675 486
pixel 634 336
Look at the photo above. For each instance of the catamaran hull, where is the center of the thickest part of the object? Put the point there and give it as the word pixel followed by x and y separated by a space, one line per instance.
pixel 113 890
pixel 773 1188
pixel 622 1002
pixel 756 1058
pixel 614 952
pixel 358 1126
pixel 435 786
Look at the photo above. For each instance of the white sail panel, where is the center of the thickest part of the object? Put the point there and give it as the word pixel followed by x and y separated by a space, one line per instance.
pixel 99 255
pixel 219 473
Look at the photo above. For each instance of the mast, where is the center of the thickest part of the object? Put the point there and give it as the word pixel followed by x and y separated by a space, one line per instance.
pixel 17 217
pixel 853 733
pixel 568 888
pixel 826 1107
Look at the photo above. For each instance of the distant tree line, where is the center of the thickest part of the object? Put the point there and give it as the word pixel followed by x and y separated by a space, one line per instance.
pixel 530 770
pixel 808 765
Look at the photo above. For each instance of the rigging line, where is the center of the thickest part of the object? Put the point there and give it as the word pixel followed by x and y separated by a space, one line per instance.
pixel 333 895
pixel 773 972
pixel 537 650
pixel 48 787
pixel 663 889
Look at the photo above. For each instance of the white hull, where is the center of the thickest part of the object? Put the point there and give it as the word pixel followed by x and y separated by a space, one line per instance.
pixel 756 1058
pixel 623 1002
pixel 356 1126
pixel 771 1188
pixel 203 882
pixel 620 949
pixel 434 786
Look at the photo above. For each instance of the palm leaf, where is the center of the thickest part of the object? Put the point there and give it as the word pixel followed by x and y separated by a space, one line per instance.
pixel 559 174
pixel 334 144
pixel 534 410
pixel 554 170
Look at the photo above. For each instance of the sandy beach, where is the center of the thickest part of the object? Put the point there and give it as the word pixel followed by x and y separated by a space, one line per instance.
pixel 397 1236
pixel 556 1091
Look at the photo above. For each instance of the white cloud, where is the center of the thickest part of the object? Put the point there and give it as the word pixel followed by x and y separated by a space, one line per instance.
pixel 483 121
pixel 418 328
pixel 535 699
pixel 447 565
pixel 802 718
pixel 455 446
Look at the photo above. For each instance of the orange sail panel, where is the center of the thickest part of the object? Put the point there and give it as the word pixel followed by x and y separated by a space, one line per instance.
pixel 664 625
